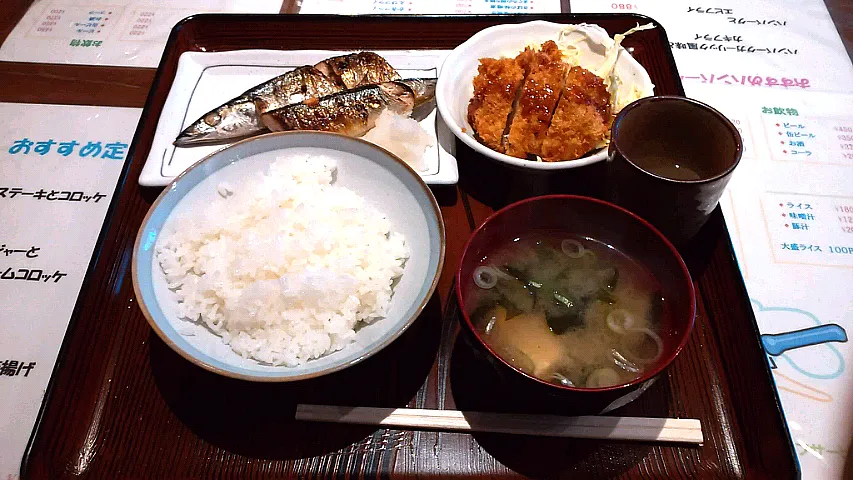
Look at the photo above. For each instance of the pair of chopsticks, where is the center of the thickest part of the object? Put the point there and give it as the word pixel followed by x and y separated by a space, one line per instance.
pixel 668 430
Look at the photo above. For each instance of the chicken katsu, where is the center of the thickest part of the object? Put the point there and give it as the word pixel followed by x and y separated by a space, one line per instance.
pixel 536 105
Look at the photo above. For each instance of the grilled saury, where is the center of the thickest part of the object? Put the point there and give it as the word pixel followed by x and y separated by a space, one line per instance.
pixel 240 117
pixel 352 112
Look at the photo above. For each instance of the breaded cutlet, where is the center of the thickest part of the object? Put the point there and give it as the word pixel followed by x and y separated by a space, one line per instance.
pixel 530 58
pixel 537 100
pixel 581 119
pixel 495 88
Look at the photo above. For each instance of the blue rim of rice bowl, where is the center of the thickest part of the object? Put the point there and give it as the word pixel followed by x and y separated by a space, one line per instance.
pixel 146 239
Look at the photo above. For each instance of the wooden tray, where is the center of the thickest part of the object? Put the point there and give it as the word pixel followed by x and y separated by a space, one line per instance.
pixel 122 404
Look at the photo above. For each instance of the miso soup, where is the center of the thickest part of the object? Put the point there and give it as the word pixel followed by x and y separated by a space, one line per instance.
pixel 568 310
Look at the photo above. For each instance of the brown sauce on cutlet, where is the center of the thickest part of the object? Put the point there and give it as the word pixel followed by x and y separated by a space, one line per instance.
pixel 582 118
pixel 542 90
pixel 537 99
pixel 495 88
pixel 536 106
pixel 585 87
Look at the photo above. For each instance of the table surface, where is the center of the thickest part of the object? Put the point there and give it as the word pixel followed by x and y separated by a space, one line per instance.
pixel 129 87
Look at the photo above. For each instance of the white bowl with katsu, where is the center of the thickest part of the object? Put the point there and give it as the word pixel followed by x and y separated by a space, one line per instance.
pixel 539 95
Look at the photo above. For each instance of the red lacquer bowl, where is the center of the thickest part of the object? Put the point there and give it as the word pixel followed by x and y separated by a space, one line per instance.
pixel 607 223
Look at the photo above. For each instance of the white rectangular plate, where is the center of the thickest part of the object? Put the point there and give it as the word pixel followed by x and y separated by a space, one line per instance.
pixel 205 80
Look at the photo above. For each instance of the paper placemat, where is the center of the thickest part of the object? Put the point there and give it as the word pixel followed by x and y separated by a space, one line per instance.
pixel 436 7
pixel 130 33
pixel 60 164
pixel 779 71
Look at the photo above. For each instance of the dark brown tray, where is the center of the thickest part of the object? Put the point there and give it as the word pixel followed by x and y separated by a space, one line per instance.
pixel 121 404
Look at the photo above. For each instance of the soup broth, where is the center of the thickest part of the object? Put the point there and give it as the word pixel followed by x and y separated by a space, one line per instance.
pixel 568 310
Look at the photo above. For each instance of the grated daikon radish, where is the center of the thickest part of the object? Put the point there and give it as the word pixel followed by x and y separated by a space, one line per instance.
pixel 402 136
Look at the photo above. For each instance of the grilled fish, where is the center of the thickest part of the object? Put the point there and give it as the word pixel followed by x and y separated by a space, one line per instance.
pixel 240 117
pixel 358 69
pixel 301 84
pixel 352 112
pixel 236 118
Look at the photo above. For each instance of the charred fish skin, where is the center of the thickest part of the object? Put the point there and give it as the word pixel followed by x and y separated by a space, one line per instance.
pixel 241 116
pixel 295 86
pixel 358 69
pixel 351 112
pixel 423 88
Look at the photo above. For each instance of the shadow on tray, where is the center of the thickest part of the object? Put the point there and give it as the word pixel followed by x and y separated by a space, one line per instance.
pixel 477 387
pixel 150 194
pixel 497 185
pixel 445 195
pixel 698 252
pixel 257 419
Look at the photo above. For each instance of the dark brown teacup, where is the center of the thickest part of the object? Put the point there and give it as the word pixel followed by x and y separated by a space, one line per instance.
pixel 669 161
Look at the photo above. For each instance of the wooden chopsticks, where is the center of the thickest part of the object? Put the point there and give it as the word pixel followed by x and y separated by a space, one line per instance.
pixel 670 430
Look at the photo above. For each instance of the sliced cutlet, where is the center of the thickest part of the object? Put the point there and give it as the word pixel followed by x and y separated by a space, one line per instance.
pixel 495 88
pixel 582 117
pixel 537 101
pixel 530 59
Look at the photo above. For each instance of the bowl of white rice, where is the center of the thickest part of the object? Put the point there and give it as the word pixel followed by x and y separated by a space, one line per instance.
pixel 288 256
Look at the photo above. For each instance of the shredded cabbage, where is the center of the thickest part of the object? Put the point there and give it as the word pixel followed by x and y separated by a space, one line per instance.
pixel 599 56
pixel 590 47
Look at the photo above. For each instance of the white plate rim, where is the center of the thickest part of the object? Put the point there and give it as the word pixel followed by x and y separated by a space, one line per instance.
pixel 191 65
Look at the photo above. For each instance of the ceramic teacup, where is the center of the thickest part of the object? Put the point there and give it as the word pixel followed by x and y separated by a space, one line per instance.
pixel 669 161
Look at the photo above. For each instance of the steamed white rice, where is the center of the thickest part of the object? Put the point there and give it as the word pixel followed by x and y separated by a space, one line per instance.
pixel 284 265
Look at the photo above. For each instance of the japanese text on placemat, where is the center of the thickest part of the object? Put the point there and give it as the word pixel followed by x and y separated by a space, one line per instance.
pixel 108 150
pixel 32 252
pixel 96 20
pixel 836 249
pixel 509 6
pixel 51 195
pixel 14 368
pixel 748 80
pixel 31 275
pixel 85 43
pixel 722 47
